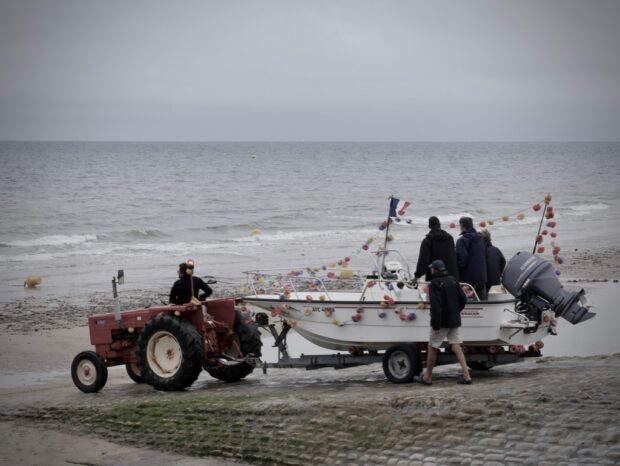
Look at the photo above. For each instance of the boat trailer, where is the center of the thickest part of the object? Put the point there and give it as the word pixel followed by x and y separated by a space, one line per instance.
pixel 401 362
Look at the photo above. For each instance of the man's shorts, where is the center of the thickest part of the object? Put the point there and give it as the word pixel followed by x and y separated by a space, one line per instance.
pixel 437 337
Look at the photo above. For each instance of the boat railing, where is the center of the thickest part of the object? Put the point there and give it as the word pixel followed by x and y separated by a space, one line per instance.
pixel 296 283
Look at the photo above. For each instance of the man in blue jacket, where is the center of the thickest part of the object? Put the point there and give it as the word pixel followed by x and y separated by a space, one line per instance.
pixel 471 258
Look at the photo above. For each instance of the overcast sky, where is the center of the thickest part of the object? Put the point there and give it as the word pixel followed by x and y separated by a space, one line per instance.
pixel 309 70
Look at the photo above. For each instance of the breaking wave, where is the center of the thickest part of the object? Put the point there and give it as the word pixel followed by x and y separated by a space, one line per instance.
pixel 52 240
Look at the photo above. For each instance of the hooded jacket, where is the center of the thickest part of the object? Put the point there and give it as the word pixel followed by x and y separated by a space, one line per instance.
pixel 437 244
pixel 471 257
pixel 447 300
pixel 496 262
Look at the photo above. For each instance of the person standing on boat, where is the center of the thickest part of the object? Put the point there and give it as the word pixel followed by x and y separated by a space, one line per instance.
pixel 496 262
pixel 471 257
pixel 188 285
pixel 437 244
pixel 447 300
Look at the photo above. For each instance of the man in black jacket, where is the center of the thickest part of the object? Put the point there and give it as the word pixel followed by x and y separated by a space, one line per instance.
pixel 447 300
pixel 437 244
pixel 181 292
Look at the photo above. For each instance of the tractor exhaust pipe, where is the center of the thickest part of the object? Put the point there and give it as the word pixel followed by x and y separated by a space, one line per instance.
pixel 119 279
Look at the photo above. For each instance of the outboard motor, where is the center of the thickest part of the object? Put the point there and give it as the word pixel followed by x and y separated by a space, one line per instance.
pixel 533 281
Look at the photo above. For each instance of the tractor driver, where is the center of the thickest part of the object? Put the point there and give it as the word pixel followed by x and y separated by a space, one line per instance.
pixel 188 286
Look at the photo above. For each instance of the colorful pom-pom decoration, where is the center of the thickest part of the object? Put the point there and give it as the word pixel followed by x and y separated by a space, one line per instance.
pixel 540 249
pixel 411 316
pixel 389 238
pixel 403 317
pixel 382 315
pixel 330 275
pixel 322 297
pixel 328 311
pixel 309 298
pixel 544 232
pixel 365 247
pixel 553 234
pixel 520 216
pixel 491 222
pixel 452 225
pixel 539 239
pixel 359 310
pixel 483 224
pixel 505 218
pixel 370 284
pixel 536 207
pixel 308 312
pixel 356 318
pixel 548 198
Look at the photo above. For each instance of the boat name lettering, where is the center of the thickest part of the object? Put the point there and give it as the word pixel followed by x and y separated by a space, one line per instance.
pixel 475 313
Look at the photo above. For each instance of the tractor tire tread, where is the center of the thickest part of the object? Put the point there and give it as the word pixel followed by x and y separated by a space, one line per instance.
pixel 191 344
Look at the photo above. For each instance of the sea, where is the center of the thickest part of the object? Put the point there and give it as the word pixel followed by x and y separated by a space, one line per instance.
pixel 75 213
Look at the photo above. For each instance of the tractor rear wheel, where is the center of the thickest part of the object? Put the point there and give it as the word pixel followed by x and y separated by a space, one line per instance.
pixel 170 353
pixel 401 363
pixel 230 373
pixel 89 372
pixel 134 372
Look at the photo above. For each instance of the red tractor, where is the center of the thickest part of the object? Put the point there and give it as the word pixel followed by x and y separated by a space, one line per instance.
pixel 168 346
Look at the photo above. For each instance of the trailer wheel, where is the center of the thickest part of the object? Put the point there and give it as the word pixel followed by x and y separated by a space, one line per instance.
pixel 480 365
pixel 89 372
pixel 134 372
pixel 230 373
pixel 170 353
pixel 401 363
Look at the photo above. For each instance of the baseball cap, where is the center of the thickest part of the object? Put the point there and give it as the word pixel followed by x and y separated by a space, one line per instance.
pixel 438 264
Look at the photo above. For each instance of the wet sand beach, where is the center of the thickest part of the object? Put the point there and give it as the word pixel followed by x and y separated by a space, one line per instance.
pixel 560 409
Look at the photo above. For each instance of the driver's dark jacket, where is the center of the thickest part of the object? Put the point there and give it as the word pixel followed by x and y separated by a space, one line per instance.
pixel 181 292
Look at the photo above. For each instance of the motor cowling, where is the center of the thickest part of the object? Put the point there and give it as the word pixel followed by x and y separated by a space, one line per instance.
pixel 532 280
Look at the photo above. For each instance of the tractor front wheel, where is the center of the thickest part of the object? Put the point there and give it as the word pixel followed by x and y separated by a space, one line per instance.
pixel 170 353
pixel 230 373
pixel 89 372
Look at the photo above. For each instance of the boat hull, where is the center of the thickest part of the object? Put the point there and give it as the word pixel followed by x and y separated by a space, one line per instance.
pixel 374 326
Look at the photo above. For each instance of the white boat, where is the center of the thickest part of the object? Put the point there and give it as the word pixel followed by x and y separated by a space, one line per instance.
pixel 375 312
